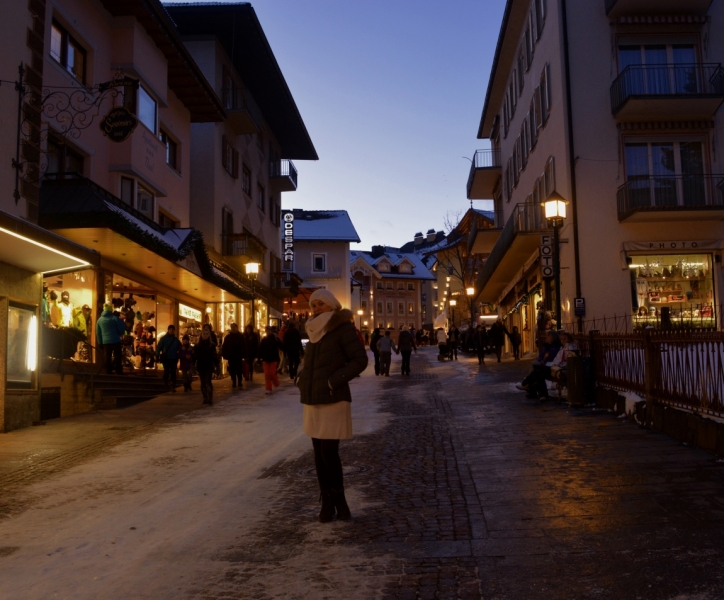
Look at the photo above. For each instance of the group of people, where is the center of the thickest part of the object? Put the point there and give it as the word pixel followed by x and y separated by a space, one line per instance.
pixel 480 340
pixel 550 364
pixel 383 346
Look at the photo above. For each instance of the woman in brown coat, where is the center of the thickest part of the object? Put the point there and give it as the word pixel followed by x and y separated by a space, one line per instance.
pixel 333 357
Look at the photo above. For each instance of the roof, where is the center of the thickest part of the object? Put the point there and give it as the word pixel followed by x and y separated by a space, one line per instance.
pixel 322 226
pixel 184 75
pixel 394 256
pixel 514 16
pixel 239 32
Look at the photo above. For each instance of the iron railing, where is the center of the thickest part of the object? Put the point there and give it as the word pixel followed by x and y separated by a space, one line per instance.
pixel 243 244
pixel 670 192
pixel 667 81
pixel 483 159
pixel 283 168
pixel 526 218
pixel 619 361
pixel 239 98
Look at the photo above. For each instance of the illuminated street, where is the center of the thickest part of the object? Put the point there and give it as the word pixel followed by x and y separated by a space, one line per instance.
pixel 459 488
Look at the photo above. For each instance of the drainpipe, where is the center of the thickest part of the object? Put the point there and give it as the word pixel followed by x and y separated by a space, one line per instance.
pixel 572 155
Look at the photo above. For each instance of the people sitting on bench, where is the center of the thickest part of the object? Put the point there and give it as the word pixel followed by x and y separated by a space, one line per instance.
pixel 548 351
pixel 554 370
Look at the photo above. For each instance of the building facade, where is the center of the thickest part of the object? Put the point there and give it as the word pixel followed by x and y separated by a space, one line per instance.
pixel 616 107
pixel 394 283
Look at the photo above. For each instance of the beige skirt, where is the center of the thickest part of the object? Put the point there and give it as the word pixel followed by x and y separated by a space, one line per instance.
pixel 328 421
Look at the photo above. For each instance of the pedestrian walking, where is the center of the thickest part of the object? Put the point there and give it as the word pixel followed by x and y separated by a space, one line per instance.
pixel 406 344
pixel 441 338
pixel 497 337
pixel 385 346
pixel 515 341
pixel 376 335
pixel 167 352
pixel 333 357
pixel 480 339
pixel 269 353
pixel 186 362
pixel 233 351
pixel 109 329
pixel 453 338
pixel 205 362
pixel 293 348
pixel 252 349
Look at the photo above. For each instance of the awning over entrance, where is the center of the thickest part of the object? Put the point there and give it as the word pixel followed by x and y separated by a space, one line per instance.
pixel 37 250
pixel 87 214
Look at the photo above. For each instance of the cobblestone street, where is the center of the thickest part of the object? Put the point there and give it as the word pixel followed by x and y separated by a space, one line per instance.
pixel 459 488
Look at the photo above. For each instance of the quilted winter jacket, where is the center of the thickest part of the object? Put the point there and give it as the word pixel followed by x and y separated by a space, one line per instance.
pixel 333 361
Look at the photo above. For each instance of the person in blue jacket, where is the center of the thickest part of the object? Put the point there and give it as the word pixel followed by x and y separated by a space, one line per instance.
pixel 167 352
pixel 109 330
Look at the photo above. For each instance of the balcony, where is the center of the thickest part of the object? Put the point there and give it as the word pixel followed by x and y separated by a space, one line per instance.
pixel 622 8
pixel 671 198
pixel 282 176
pixel 246 246
pixel 517 241
pixel 485 171
pixel 651 93
pixel 286 284
pixel 244 115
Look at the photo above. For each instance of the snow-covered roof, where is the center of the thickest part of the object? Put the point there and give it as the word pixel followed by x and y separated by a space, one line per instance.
pixel 419 270
pixel 322 226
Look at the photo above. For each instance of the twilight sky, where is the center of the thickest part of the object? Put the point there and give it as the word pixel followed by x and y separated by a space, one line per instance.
pixel 391 92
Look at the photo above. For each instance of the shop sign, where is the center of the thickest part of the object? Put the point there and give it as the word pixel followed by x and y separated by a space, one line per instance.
pixel 288 241
pixel 546 257
pixel 579 307
pixel 189 313
pixel 118 124
pixel 675 245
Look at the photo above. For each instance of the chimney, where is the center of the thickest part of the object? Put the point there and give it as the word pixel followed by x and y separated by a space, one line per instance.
pixel 377 251
pixel 431 235
pixel 419 238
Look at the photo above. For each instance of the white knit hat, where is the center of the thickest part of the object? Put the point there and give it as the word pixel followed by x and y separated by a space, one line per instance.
pixel 327 297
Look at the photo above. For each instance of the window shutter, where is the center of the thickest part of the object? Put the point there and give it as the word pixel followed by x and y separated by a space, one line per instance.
pixel 224 155
pixel 235 163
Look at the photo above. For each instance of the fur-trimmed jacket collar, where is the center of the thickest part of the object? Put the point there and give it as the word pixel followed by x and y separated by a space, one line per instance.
pixel 339 317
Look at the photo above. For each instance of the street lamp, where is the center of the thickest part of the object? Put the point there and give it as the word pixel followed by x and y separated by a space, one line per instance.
pixel 471 293
pixel 555 213
pixel 453 303
pixel 252 272
pixel 360 312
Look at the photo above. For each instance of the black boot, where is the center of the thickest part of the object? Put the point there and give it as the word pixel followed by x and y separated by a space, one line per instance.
pixel 340 504
pixel 327 512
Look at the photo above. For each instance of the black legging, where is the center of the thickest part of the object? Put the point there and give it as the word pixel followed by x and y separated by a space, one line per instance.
pixel 329 466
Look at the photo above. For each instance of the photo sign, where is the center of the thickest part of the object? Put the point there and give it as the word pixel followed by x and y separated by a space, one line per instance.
pixel 288 242
pixel 547 270
pixel 118 124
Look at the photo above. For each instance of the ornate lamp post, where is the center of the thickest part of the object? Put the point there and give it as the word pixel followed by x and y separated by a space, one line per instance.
pixel 470 292
pixel 252 272
pixel 555 213
pixel 453 303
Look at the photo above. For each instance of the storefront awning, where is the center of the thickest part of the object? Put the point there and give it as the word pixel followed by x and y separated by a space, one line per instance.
pixel 87 214
pixel 38 250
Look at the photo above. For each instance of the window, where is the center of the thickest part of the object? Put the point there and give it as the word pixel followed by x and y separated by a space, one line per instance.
pixel 389 308
pixel 658 78
pixel 62 158
pixel 389 286
pixel 22 354
pixel 319 263
pixel 171 150
pixel 540 14
pixel 666 173
pixel 67 52
pixel 524 143
pixel 410 287
pixel 545 87
pixel 400 308
pixel 390 325
pixel 127 190
pixel 227 89
pixel 538 99
pixel 229 158
pixel 528 48
pixel 166 220
pixel 146 109
pixel 379 307
pixel 522 68
pixel 400 285
pixel 550 176
pixel 144 201
pixel 260 197
pixel 379 285
pixel 532 129
pixel 246 180
pixel 410 308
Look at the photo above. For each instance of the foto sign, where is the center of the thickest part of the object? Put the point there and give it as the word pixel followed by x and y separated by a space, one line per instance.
pixel 579 307
pixel 288 242
pixel 547 270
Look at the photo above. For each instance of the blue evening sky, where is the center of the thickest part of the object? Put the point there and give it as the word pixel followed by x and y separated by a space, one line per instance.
pixel 391 92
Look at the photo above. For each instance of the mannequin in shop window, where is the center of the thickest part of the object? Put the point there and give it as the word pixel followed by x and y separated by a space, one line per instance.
pixel 62 316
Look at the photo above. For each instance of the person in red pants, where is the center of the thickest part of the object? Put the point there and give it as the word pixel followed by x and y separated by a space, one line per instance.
pixel 269 352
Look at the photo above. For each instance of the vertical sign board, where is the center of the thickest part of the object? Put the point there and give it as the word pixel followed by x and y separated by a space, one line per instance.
pixel 579 307
pixel 288 242
pixel 546 257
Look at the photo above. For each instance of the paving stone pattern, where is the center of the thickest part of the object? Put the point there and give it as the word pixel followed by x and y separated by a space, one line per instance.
pixel 471 491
